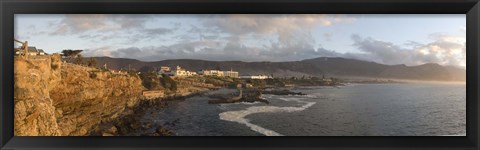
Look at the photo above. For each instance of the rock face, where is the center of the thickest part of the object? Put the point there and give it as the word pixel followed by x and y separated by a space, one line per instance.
pixel 54 98
pixel 34 111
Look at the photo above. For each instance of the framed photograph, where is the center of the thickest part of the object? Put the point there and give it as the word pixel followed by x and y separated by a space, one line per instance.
pixel 231 74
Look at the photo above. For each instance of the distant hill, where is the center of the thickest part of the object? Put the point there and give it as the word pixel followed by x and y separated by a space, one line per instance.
pixel 328 66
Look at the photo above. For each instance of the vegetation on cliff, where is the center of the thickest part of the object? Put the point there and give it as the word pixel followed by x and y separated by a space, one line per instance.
pixel 168 83
pixel 54 98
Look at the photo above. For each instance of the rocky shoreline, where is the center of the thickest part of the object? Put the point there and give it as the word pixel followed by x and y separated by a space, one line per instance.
pixel 131 124
pixel 48 101
pixel 241 96
pixel 248 95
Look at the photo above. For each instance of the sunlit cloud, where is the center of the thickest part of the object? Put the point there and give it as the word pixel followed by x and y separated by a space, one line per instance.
pixel 245 37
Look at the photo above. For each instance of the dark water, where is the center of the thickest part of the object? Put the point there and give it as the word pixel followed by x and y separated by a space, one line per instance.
pixel 353 110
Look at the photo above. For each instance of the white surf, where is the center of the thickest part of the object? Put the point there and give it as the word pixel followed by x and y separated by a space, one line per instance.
pixel 239 116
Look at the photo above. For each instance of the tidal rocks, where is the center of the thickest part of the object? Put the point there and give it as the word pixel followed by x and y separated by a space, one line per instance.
pixel 282 92
pixel 246 96
pixel 160 131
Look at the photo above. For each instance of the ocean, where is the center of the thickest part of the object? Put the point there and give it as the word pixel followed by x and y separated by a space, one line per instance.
pixel 397 109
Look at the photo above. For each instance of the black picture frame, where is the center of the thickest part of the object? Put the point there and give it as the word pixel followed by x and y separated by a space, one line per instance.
pixel 10 7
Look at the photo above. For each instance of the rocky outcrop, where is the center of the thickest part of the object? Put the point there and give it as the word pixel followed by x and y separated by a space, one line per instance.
pixel 54 98
pixel 34 111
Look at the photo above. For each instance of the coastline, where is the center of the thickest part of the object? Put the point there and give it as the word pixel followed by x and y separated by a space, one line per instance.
pixel 130 122
pixel 133 125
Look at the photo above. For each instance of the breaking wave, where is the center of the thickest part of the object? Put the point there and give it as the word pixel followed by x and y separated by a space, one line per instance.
pixel 239 116
pixel 266 96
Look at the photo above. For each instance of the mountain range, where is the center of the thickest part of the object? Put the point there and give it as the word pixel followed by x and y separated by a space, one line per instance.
pixel 322 66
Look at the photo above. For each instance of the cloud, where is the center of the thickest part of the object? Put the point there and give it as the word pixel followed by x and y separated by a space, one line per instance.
pixel 268 37
pixel 213 50
pixel 81 23
pixel 246 37
pixel 158 31
pixel 328 36
pixel 99 51
pixel 444 49
pixel 148 34
pixel 289 29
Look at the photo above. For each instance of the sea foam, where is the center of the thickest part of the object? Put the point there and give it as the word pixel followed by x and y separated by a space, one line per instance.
pixel 239 116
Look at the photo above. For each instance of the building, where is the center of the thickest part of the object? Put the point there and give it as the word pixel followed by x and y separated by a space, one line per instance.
pixel 219 73
pixel 232 74
pixel 179 71
pixel 41 52
pixel 164 70
pixel 211 73
pixel 32 51
pixel 261 77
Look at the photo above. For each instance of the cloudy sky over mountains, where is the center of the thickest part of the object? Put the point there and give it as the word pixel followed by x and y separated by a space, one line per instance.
pixel 387 39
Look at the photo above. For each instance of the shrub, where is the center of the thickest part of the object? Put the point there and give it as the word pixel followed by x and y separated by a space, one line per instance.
pixel 93 75
pixel 54 66
pixel 169 83
pixel 92 62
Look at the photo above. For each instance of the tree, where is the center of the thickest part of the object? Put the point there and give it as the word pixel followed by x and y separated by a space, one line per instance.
pixel 69 54
pixel 66 52
pixel 147 80
pixel 169 83
pixel 78 60
pixel 92 62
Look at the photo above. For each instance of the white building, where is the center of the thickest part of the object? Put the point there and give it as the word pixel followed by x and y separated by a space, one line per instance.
pixel 233 74
pixel 179 71
pixel 164 70
pixel 211 73
pixel 261 77
pixel 219 73
pixel 32 51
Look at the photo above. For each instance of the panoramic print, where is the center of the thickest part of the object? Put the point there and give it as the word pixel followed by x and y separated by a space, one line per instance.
pixel 239 75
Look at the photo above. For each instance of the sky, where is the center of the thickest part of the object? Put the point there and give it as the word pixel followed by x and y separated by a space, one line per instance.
pixel 411 39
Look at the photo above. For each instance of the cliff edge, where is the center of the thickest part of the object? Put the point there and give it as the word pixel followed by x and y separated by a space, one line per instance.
pixel 53 98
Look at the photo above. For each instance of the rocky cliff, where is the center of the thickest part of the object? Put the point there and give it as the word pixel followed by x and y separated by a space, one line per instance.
pixel 61 99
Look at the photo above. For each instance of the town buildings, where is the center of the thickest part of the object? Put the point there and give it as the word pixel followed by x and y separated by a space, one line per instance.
pixel 256 77
pixel 179 71
pixel 231 73
pixel 211 73
pixel 32 51
pixel 219 73
pixel 164 70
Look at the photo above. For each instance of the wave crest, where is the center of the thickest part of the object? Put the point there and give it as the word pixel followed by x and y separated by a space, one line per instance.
pixel 239 116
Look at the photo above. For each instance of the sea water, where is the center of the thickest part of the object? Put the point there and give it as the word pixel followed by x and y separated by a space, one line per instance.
pixel 404 109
